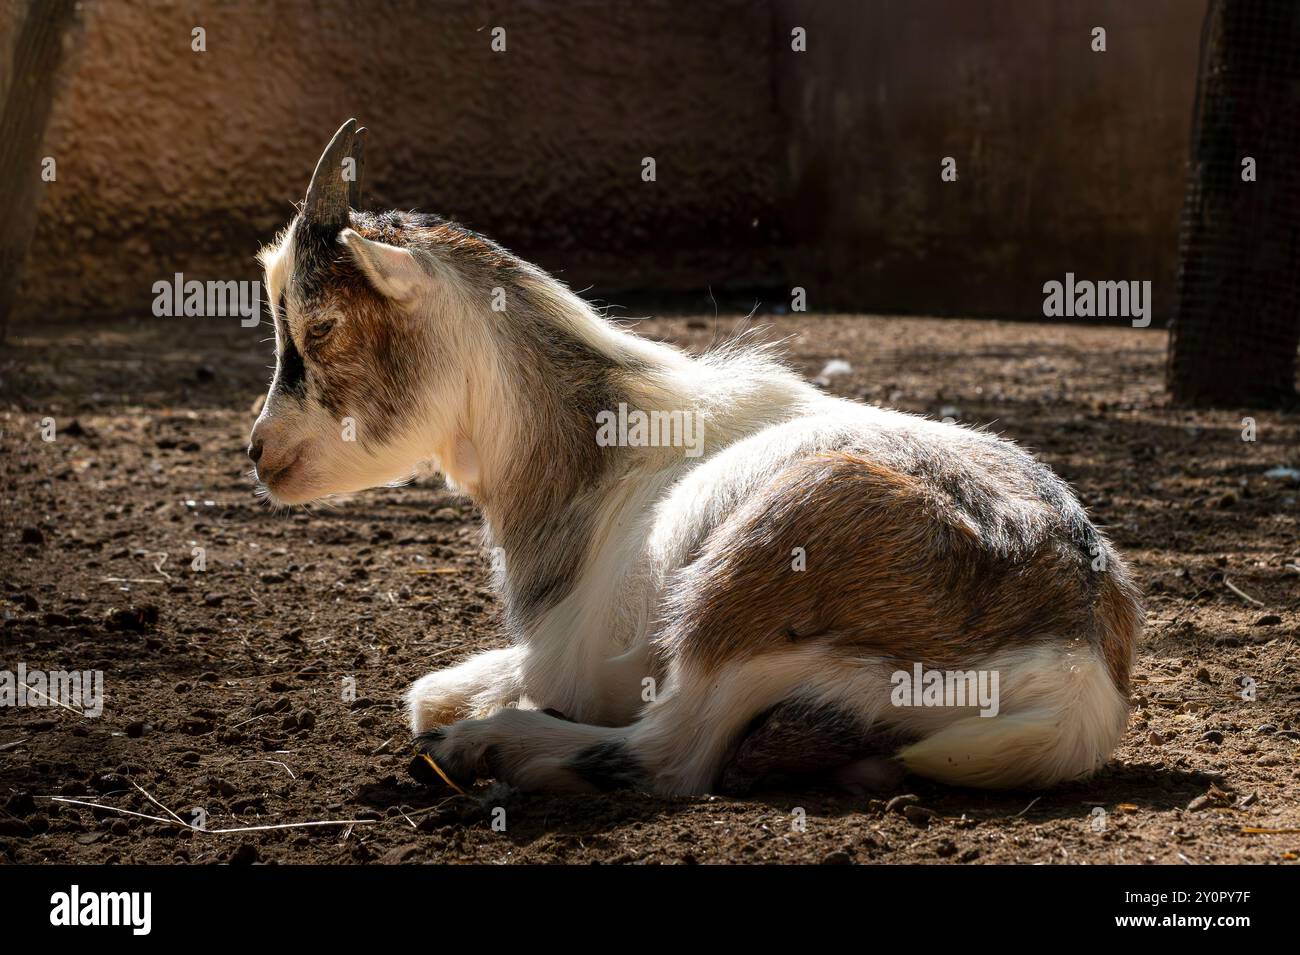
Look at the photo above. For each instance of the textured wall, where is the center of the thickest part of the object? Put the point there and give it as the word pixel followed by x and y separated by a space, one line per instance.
pixel 174 160
pixel 1067 160
pixel 774 168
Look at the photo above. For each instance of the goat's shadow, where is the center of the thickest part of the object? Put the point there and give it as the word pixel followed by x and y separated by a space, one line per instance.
pixel 594 818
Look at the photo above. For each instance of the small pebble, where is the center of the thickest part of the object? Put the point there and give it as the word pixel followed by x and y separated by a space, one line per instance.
pixel 245 854
pixel 899 803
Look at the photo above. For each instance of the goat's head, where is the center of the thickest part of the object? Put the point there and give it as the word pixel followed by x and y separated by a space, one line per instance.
pixel 365 385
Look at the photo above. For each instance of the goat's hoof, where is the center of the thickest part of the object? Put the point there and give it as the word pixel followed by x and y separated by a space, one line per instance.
pixel 425 769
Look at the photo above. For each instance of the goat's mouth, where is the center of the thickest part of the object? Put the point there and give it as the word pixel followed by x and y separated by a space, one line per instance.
pixel 277 481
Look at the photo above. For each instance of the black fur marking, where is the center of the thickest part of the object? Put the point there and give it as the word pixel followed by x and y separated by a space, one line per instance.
pixel 291 372
pixel 797 739
pixel 608 765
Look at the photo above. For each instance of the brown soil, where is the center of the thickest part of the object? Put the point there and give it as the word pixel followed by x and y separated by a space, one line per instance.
pixel 224 687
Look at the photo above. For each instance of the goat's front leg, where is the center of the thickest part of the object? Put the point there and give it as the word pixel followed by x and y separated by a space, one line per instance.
pixel 529 749
pixel 480 686
pixel 676 747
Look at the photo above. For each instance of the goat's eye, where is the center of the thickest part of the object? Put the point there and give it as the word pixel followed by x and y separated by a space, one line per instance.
pixel 320 330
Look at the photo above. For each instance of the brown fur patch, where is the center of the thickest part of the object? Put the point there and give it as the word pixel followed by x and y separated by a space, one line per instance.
pixel 368 364
pixel 894 569
pixel 363 355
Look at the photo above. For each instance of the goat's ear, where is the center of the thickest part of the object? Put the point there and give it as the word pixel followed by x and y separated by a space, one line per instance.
pixel 392 271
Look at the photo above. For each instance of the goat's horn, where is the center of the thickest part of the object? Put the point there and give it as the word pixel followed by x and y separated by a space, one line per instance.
pixel 327 196
pixel 358 168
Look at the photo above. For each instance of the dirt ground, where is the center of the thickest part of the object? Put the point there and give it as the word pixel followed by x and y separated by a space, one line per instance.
pixel 225 689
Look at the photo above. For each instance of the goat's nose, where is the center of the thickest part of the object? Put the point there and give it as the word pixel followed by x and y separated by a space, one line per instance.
pixel 255 450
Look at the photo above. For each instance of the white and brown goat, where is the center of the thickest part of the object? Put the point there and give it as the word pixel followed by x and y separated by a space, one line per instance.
pixel 686 622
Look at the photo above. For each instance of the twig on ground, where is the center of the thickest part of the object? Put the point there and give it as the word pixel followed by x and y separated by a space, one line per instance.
pixel 162 559
pixel 155 801
pixel 1027 808
pixel 1241 593
pixel 274 762
pixel 214 832
pixel 46 696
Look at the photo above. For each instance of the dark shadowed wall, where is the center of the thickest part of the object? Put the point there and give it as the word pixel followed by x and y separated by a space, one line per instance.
pixel 1067 159
pixel 774 168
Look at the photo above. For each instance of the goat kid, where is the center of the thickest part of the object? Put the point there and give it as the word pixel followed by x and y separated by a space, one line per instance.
pixel 678 622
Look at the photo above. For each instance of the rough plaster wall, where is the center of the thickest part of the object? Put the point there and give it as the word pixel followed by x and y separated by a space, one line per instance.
pixel 1067 159
pixel 11 12
pixel 819 169
pixel 171 160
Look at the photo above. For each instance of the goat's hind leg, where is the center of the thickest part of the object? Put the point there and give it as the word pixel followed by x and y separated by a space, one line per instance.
pixel 803 738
